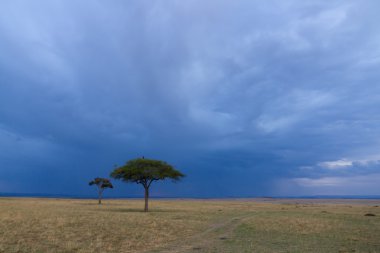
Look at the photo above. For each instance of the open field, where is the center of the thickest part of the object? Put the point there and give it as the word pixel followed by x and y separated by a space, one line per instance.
pixel 263 225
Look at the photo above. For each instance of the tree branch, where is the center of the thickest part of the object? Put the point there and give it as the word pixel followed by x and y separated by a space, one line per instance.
pixel 151 182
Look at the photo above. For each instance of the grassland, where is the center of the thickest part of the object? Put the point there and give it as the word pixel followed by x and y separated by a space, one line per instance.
pixel 58 225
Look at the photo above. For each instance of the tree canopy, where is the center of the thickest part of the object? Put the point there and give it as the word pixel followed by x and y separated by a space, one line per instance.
pixel 145 171
pixel 101 182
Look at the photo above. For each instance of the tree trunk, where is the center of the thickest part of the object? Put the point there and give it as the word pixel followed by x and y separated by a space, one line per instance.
pixel 100 198
pixel 146 199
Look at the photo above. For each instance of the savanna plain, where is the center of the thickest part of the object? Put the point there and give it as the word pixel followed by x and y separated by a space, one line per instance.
pixel 249 225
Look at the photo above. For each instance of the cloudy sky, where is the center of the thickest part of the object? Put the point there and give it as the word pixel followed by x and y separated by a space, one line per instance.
pixel 247 98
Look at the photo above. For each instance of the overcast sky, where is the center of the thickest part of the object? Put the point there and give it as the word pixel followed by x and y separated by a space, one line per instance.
pixel 247 98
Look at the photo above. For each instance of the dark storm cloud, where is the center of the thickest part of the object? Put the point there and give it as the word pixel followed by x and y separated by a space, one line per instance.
pixel 246 97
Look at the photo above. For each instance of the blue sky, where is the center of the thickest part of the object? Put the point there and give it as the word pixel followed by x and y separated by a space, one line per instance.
pixel 245 97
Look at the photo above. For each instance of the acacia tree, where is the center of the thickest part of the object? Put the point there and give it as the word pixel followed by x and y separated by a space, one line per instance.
pixel 101 184
pixel 145 172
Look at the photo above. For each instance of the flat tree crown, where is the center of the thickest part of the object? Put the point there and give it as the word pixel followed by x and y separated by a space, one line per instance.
pixel 142 170
pixel 101 182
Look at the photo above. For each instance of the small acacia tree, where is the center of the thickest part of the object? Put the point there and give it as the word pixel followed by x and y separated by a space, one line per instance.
pixel 101 184
pixel 145 172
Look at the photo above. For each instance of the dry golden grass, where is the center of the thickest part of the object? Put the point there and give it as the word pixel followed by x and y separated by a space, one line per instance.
pixel 59 225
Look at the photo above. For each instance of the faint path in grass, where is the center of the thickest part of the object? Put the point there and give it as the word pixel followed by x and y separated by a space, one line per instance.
pixel 208 239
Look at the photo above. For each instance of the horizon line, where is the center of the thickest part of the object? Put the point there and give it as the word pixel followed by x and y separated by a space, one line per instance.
pixel 85 196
